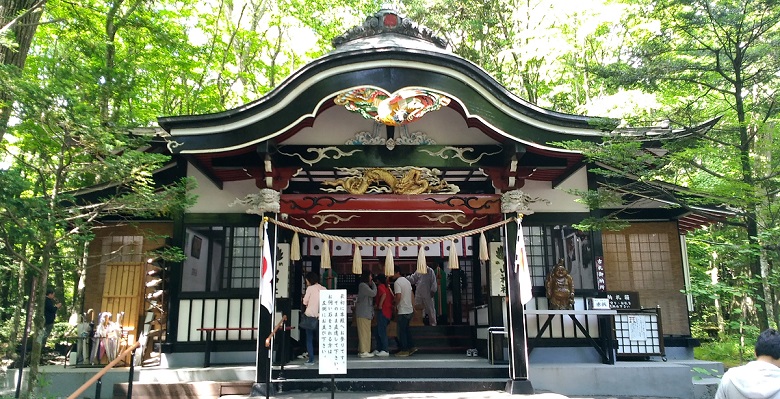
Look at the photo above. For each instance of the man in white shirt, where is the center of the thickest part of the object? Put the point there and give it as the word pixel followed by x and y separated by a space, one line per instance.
pixel 759 379
pixel 404 310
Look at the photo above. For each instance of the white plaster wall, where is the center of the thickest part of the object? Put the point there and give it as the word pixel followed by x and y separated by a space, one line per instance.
pixel 446 126
pixel 194 269
pixel 213 200
pixel 336 126
pixel 560 199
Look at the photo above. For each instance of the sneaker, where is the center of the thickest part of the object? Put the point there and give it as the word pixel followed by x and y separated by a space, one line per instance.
pixel 304 355
pixel 402 354
pixel 375 352
pixel 308 363
pixel 411 351
pixel 366 354
pixel 382 354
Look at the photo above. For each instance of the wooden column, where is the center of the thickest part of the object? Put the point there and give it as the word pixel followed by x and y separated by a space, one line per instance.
pixel 262 385
pixel 518 383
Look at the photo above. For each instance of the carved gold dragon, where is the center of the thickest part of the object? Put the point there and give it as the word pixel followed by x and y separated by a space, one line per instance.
pixel 412 182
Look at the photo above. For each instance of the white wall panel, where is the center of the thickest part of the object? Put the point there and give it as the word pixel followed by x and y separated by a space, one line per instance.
pixel 234 318
pixel 341 249
pixel 196 318
pixel 221 318
pixel 183 325
pixel 247 317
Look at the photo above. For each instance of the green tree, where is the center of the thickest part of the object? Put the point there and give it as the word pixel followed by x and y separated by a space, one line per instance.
pixel 42 218
pixel 95 73
pixel 75 103
pixel 18 23
pixel 705 60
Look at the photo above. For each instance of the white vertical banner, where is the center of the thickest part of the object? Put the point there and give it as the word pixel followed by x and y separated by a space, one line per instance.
pixel 283 271
pixel 333 332
pixel 497 270
pixel 521 266
pixel 267 274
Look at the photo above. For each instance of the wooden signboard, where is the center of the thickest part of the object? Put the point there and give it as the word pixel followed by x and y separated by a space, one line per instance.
pixel 622 299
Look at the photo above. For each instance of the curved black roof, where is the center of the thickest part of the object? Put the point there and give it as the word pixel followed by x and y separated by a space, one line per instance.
pixel 390 60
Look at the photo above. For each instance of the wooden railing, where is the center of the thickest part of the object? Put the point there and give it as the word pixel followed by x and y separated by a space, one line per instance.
pixel 97 377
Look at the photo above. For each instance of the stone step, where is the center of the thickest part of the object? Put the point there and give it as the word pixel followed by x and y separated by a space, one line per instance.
pixel 215 390
pixel 705 388
pixel 173 390
pixel 199 389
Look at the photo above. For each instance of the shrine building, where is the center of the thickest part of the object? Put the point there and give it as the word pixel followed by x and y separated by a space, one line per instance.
pixel 391 138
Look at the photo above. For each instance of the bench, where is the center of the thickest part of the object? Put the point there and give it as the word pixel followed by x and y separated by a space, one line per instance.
pixel 605 318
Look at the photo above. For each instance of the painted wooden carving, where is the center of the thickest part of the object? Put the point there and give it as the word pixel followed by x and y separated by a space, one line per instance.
pixel 560 288
pixel 394 180
pixel 399 108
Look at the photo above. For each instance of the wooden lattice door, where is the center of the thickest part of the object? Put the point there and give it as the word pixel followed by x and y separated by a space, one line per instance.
pixel 123 292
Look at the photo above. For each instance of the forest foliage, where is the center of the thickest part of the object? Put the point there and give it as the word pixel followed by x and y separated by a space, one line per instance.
pixel 80 80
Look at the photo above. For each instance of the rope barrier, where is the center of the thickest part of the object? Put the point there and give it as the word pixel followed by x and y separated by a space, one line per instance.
pixel 373 243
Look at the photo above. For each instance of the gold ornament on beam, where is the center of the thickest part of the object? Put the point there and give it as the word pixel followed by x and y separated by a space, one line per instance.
pixel 403 181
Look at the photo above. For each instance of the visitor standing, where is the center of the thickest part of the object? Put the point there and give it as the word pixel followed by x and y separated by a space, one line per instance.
pixel 384 305
pixel 404 309
pixel 426 285
pixel 312 302
pixel 50 308
pixel 364 313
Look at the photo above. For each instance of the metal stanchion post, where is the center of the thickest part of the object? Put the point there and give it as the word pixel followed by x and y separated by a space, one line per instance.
pixel 130 378
pixel 97 387
pixel 283 353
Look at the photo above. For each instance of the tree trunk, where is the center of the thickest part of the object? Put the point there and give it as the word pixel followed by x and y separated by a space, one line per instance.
pixel 20 17
pixel 17 316
pixel 37 328
pixel 59 288
pixel 5 295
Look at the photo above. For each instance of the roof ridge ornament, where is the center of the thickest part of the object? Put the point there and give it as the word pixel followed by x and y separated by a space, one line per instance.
pixel 388 20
